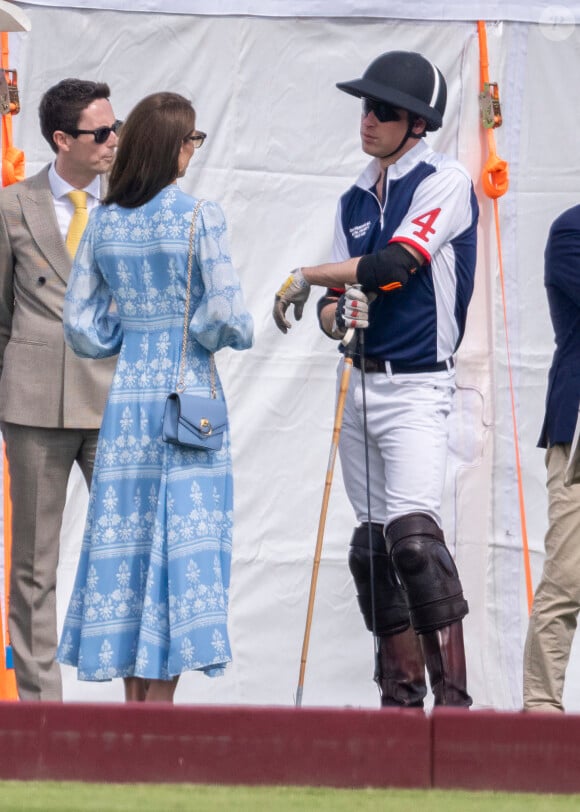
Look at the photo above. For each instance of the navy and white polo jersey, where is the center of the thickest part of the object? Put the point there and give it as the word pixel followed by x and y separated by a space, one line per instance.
pixel 429 204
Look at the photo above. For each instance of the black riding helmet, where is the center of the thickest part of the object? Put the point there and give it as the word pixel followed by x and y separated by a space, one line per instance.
pixel 403 79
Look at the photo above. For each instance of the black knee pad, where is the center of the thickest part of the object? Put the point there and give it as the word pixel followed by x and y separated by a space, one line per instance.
pixel 390 604
pixel 427 572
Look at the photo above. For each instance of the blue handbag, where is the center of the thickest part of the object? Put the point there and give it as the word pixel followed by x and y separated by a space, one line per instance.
pixel 191 420
pixel 194 421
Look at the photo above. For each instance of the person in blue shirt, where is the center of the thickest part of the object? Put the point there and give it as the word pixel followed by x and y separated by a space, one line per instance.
pixel 556 604
pixel 403 271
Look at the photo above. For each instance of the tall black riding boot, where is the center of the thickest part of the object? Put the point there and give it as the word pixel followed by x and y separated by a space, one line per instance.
pixel 401 668
pixel 445 659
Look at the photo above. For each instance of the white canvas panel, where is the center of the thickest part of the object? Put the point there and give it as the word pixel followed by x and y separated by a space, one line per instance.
pixel 565 12
pixel 282 146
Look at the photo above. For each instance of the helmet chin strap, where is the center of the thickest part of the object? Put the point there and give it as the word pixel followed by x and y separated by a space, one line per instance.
pixel 408 134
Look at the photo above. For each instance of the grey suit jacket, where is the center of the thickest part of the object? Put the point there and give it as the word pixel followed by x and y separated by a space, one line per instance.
pixel 42 382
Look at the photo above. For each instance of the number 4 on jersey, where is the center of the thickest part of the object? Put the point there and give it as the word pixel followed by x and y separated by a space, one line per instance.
pixel 425 221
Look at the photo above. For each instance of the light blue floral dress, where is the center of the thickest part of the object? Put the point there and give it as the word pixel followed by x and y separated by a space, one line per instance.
pixel 150 597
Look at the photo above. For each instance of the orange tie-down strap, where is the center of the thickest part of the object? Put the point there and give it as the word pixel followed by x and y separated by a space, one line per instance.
pixel 8 689
pixel 495 183
pixel 12 158
pixel 495 175
pixel 12 171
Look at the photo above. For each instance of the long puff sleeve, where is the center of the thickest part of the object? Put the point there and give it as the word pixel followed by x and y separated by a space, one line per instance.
pixel 91 329
pixel 221 318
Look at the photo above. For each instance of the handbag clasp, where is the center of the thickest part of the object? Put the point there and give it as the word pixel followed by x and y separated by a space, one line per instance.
pixel 205 426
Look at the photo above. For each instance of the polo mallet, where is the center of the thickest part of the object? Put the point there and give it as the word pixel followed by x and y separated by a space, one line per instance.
pixel 361 349
pixel 340 402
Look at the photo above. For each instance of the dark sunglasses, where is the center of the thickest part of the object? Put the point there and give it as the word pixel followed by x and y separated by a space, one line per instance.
pixel 197 139
pixel 382 110
pixel 101 134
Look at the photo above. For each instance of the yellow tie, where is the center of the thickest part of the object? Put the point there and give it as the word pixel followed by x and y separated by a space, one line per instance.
pixel 78 221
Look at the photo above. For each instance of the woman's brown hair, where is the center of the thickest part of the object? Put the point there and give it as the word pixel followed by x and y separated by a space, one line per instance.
pixel 148 149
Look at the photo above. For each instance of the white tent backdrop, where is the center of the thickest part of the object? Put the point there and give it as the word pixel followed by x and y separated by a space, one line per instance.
pixel 282 146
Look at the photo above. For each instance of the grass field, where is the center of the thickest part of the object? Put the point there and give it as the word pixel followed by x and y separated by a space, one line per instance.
pixel 47 796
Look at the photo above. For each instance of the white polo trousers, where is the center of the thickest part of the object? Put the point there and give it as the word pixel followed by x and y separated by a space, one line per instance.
pixel 407 443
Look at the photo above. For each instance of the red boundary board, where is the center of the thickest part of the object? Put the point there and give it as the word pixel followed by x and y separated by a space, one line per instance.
pixel 214 744
pixel 525 752
pixel 451 748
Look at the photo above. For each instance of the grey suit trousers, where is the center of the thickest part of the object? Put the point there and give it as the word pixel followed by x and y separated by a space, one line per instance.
pixel 40 461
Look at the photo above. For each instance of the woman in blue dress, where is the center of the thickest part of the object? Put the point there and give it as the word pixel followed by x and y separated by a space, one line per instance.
pixel 150 598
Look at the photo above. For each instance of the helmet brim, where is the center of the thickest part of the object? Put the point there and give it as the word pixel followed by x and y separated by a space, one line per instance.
pixel 368 89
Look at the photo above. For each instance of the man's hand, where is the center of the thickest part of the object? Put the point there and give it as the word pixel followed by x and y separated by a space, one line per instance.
pixel 295 291
pixel 352 311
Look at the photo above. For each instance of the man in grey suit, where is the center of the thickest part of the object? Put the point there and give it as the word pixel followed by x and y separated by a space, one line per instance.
pixel 51 401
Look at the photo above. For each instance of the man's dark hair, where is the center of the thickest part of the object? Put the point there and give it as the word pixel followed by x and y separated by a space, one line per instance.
pixel 61 106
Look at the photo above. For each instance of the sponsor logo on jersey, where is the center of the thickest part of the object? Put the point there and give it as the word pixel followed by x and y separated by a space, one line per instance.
pixel 356 232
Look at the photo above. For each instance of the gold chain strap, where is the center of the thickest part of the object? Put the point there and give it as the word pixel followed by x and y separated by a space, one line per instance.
pixel 181 379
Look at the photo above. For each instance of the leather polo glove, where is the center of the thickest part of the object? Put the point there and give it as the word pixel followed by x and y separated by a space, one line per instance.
pixel 294 291
pixel 352 311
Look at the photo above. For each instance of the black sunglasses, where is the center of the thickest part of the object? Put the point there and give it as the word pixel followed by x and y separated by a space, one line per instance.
pixel 101 134
pixel 197 139
pixel 382 110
